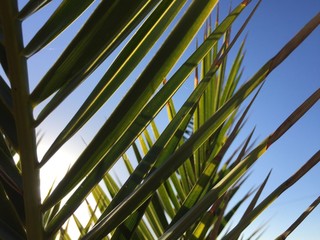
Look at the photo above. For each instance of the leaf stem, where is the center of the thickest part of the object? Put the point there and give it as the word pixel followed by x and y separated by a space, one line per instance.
pixel 22 110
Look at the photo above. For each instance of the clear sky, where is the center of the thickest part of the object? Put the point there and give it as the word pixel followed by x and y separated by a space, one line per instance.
pixel 286 88
pixel 275 22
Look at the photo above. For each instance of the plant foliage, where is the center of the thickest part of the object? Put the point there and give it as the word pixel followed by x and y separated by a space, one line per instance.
pixel 184 174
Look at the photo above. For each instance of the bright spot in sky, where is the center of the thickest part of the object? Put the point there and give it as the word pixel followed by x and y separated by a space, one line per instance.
pixel 51 174
pixel 53 170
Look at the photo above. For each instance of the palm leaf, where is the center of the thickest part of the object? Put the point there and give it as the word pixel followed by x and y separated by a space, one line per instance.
pixel 188 170
pixel 299 220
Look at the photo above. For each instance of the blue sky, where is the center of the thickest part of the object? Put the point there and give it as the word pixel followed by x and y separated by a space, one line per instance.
pixel 289 85
pixel 286 87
